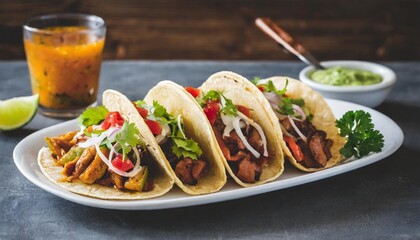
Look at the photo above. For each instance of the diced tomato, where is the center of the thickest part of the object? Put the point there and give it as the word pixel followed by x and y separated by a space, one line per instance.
pixel 211 110
pixel 296 151
pixel 119 164
pixel 246 111
pixel 153 126
pixel 142 111
pixel 112 119
pixel 195 92
pixel 261 88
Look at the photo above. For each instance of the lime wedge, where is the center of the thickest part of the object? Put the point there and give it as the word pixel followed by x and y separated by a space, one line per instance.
pixel 16 112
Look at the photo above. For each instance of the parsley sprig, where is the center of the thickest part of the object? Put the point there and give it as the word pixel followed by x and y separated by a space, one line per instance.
pixel 228 109
pixel 182 147
pixel 362 138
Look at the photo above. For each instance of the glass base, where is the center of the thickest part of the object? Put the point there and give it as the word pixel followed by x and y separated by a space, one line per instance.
pixel 63 113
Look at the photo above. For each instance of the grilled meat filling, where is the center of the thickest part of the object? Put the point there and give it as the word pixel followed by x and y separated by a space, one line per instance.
pixel 243 163
pixel 189 171
pixel 89 167
pixel 317 149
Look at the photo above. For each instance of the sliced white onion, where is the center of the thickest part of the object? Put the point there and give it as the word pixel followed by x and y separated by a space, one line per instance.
pixel 263 81
pixel 111 134
pixel 136 169
pixel 179 120
pixel 297 129
pixel 222 102
pixel 285 132
pixel 97 139
pixel 238 130
pixel 80 133
pixel 96 127
pixel 259 129
pixel 147 107
pixel 296 119
pixel 273 98
pixel 236 123
pixel 300 111
pixel 226 119
pixel 243 124
pixel 166 130
pixel 280 116
pixel 276 108
pixel 228 129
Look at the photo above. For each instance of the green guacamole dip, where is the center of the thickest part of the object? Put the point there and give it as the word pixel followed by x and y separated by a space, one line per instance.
pixel 339 76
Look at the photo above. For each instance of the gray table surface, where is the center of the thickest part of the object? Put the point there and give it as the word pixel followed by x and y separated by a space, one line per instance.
pixel 380 201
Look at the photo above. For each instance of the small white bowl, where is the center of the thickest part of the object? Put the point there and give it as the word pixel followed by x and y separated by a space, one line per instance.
pixel 369 95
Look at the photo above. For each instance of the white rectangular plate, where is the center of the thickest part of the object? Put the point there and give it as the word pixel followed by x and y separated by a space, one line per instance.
pixel 26 151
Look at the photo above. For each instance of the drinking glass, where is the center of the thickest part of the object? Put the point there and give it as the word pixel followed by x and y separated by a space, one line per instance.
pixel 64 55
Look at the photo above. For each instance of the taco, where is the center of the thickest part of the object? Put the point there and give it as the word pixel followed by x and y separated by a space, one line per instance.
pixel 251 151
pixel 173 126
pixel 108 158
pixel 305 122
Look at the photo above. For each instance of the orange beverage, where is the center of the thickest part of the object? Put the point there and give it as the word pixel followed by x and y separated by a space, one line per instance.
pixel 64 64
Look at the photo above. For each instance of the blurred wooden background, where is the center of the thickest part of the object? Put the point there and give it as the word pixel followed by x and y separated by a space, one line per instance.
pixel 224 29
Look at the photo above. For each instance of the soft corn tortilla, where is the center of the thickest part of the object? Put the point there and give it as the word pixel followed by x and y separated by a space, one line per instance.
pixel 231 85
pixel 162 184
pixel 323 117
pixel 177 101
pixel 163 180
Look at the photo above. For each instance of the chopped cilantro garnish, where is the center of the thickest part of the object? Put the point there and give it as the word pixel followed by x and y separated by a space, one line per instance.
pixel 255 80
pixel 228 109
pixel 272 88
pixel 140 103
pixel 156 112
pixel 362 138
pixel 286 106
pixel 186 147
pixel 286 103
pixel 182 146
pixel 160 112
pixel 269 87
pixel 128 138
pixel 298 101
pixel 93 115
pixel 211 95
